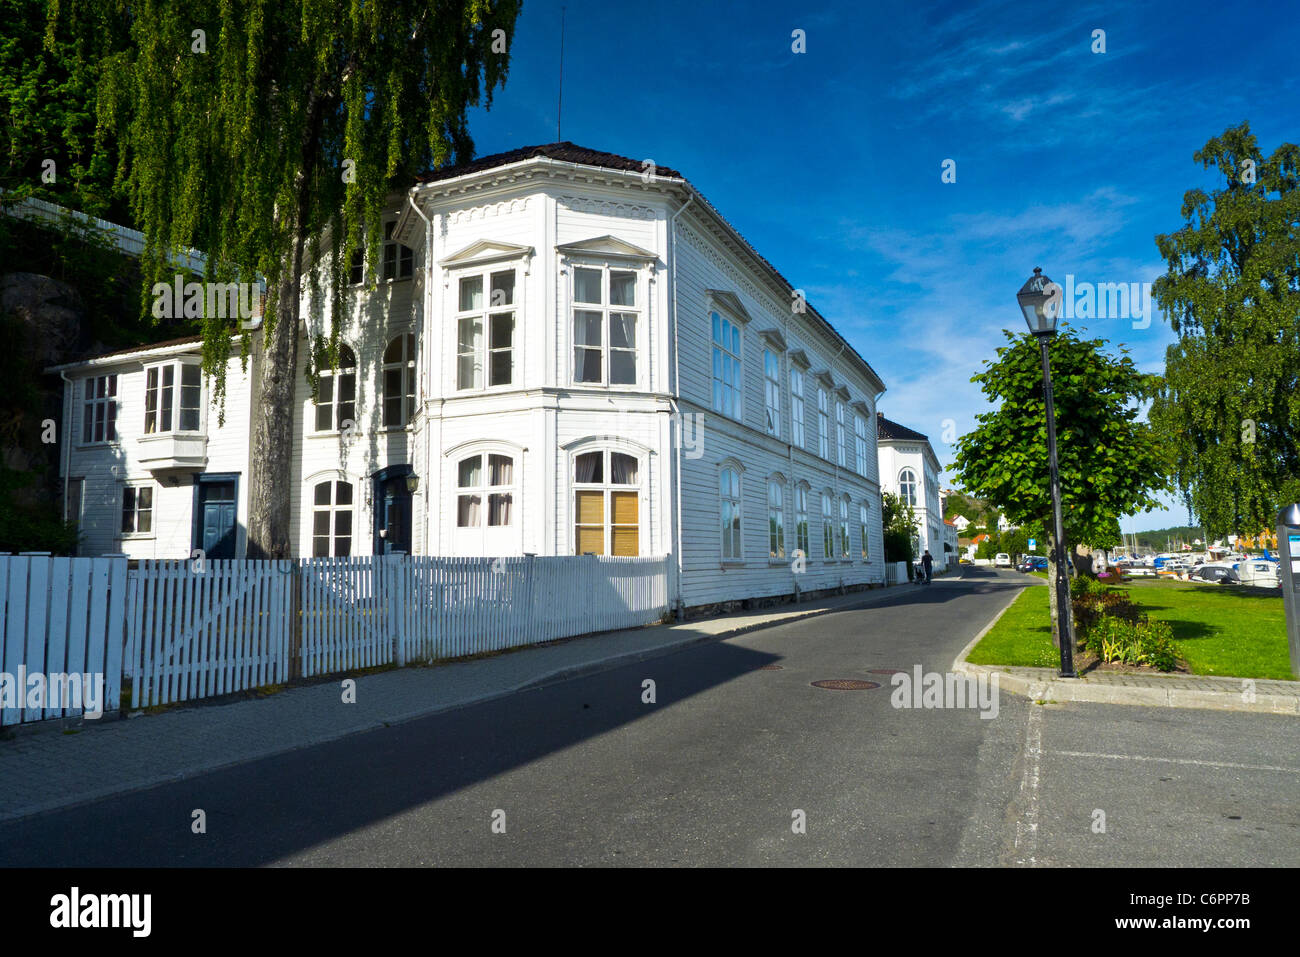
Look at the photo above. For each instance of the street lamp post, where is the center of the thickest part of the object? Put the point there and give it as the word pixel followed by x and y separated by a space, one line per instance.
pixel 1040 301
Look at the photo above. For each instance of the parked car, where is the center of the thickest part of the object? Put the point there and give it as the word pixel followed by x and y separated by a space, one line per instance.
pixel 1002 560
pixel 1034 563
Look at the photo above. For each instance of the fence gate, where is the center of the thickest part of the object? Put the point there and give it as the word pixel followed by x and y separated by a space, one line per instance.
pixel 206 628
pixel 347 607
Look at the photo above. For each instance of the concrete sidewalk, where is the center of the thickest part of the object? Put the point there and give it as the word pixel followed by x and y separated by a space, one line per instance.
pixel 1154 690
pixel 41 770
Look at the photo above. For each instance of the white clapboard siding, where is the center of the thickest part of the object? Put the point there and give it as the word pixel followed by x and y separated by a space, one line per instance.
pixel 198 629
pixel 61 616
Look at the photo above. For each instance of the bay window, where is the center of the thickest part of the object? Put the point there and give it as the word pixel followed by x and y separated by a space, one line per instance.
pixel 172 397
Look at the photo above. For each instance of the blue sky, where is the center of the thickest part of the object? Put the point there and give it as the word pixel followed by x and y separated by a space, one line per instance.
pixel 829 162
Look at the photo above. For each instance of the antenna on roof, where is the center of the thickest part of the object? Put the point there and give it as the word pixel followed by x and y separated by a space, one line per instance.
pixel 559 106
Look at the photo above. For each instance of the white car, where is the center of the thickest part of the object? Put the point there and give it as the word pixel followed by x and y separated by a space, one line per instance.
pixel 1002 560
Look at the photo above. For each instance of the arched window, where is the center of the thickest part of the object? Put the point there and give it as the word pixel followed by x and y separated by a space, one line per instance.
pixel 844 529
pixel 490 477
pixel 729 495
pixel 606 503
pixel 399 381
pixel 907 486
pixel 862 524
pixel 331 530
pixel 828 528
pixel 775 519
pixel 801 519
pixel 336 399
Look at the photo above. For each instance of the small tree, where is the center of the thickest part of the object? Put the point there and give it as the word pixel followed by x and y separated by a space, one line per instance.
pixel 900 527
pixel 1111 464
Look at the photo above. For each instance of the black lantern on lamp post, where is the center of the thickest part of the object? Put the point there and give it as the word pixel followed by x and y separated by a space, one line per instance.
pixel 1040 301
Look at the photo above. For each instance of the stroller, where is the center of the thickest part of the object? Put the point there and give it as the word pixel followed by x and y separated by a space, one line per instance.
pixel 919 576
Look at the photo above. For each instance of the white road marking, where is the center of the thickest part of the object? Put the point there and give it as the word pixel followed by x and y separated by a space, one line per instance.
pixel 1027 826
pixel 1193 761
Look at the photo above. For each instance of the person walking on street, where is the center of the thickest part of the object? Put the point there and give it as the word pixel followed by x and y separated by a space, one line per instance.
pixel 927 562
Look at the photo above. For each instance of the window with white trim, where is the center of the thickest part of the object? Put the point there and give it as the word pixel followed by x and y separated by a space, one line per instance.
pixel 828 528
pixel 841 436
pixel 99 409
pixel 398 382
pixel 801 519
pixel 336 394
pixel 860 434
pixel 823 424
pixel 606 321
pixel 907 486
pixel 726 366
pixel 331 519
pixel 844 529
pixel 137 509
pixel 485 477
pixel 606 503
pixel 862 527
pixel 775 519
pixel 729 509
pixel 796 408
pixel 485 329
pixel 772 391
pixel 172 397
pixel 398 260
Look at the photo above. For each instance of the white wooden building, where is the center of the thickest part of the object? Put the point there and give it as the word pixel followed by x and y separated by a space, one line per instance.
pixel 565 354
pixel 910 469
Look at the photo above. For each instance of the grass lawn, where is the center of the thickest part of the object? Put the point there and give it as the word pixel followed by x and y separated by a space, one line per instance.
pixel 1239 632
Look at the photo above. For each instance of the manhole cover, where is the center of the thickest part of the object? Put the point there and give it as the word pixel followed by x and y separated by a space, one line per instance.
pixel 885 671
pixel 770 668
pixel 845 684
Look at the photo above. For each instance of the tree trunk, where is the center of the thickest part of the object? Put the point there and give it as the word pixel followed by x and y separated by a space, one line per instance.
pixel 275 367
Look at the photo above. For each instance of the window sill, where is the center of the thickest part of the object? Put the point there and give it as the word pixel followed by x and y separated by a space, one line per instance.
pixel 133 537
pixel 732 563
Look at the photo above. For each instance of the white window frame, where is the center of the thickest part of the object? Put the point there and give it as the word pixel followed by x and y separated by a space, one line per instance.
pixel 135 488
pixel 403 256
pixel 772 392
pixel 907 487
pixel 354 536
pixel 335 405
pixel 732 550
pixel 608 487
pixel 828 528
pixel 776 550
pixel 823 424
pixel 802 534
pixel 158 370
pixel 864 513
pixel 797 413
pixel 720 352
pixel 406 368
pixel 485 349
pixel 639 311
pixel 91 401
pixel 485 489
pixel 846 552
pixel 860 434
pixel 841 437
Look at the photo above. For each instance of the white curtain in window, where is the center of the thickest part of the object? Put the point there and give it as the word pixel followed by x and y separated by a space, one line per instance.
pixel 586 466
pixel 624 469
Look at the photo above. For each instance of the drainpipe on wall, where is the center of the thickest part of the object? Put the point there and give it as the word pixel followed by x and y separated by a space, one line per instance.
pixel 67 441
pixel 426 321
pixel 680 611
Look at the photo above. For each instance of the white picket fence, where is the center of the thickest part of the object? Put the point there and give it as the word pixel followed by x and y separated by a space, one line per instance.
pixel 61 616
pixel 895 573
pixel 200 629
pixel 234 625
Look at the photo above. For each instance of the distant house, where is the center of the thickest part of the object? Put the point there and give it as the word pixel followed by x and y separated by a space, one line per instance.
pixel 961 522
pixel 910 469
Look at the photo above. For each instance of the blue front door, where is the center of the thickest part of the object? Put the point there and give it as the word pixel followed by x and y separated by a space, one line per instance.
pixel 215 506
pixel 392 511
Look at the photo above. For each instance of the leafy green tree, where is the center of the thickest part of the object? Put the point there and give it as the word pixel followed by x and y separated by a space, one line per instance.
pixel 271 136
pixel 1111 463
pixel 1230 408
pixel 900 528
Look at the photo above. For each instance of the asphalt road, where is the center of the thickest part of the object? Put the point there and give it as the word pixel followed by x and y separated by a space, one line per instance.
pixel 726 761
